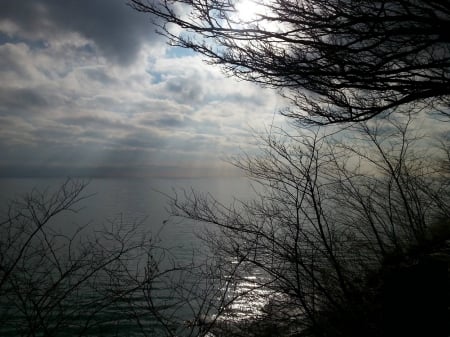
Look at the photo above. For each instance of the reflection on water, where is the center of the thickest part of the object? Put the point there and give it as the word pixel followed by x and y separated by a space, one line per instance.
pixel 133 314
pixel 249 297
pixel 97 310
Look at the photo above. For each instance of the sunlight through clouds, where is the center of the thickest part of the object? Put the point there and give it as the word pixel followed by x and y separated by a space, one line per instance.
pixel 81 99
pixel 247 10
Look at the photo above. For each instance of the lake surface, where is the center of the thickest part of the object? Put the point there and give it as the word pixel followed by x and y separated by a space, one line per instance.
pixel 131 197
pixel 140 200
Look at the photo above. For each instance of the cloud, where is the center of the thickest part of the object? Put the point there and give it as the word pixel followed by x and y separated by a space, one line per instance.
pixel 171 121
pixel 21 101
pixel 114 28
pixel 86 87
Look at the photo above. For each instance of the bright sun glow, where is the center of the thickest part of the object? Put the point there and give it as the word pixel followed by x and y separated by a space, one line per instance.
pixel 247 10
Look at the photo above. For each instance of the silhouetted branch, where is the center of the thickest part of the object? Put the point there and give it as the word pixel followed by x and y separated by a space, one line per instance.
pixel 327 215
pixel 337 61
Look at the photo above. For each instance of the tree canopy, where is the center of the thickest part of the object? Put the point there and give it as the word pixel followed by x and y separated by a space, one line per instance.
pixel 337 60
pixel 349 235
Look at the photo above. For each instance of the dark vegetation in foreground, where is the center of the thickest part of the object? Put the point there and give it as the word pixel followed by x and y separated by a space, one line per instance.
pixel 352 234
pixel 349 240
pixel 349 226
pixel 346 224
pixel 407 295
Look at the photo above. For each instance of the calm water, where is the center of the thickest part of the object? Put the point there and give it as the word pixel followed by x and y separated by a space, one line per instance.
pixel 133 200
pixel 140 200
pixel 131 197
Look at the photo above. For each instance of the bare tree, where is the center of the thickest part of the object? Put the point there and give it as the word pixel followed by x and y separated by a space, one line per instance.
pixel 337 60
pixel 58 278
pixel 329 216
pixel 330 212
pixel 53 280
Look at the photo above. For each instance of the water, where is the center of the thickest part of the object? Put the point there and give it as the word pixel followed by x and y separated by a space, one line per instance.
pixel 131 201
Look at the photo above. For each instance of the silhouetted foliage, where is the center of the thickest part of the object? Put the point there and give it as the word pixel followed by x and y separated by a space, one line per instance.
pixel 336 215
pixel 331 216
pixel 58 278
pixel 337 60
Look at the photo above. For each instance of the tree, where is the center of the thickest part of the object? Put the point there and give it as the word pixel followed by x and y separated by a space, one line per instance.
pixel 334 216
pixel 61 279
pixel 336 60
pixel 55 281
pixel 330 221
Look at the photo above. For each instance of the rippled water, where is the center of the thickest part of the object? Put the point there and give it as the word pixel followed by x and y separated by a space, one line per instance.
pixel 141 201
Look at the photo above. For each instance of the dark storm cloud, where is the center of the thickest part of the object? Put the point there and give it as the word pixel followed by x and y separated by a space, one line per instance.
pixel 115 28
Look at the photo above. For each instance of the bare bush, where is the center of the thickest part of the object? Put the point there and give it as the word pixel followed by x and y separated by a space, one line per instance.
pixel 102 280
pixel 328 216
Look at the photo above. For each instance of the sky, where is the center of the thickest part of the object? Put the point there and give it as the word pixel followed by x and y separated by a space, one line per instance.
pixel 88 88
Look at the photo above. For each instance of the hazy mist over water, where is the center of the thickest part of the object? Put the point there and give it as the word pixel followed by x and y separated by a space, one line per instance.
pixel 130 200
